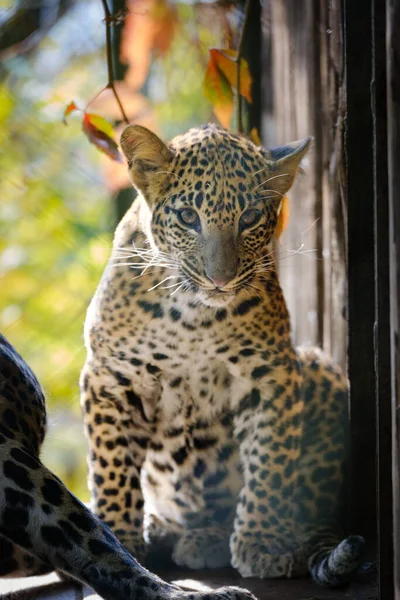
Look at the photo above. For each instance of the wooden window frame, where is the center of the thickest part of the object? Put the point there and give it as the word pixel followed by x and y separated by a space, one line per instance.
pixel 346 71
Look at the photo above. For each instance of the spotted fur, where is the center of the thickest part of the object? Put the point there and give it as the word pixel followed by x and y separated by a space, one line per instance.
pixel 209 433
pixel 42 525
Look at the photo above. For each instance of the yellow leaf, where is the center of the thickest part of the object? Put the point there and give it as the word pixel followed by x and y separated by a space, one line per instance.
pixel 255 136
pixel 100 123
pixel 225 61
pixel 218 90
pixel 283 218
pixel 224 112
pixel 99 132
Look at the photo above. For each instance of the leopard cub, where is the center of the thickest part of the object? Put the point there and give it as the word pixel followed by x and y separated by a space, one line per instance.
pixel 210 434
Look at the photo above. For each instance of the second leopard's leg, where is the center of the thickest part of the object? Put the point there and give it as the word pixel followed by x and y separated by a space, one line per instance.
pixel 203 548
pixel 47 521
pixel 16 562
pixel 70 538
pixel 268 426
pixel 118 430
pixel 197 548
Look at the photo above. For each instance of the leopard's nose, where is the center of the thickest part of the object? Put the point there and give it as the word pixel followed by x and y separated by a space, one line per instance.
pixel 220 258
pixel 220 280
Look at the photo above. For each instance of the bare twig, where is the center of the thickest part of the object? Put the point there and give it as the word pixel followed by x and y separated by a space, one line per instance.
pixel 238 65
pixel 109 20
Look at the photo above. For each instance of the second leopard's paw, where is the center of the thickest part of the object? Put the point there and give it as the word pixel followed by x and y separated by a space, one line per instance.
pixel 206 548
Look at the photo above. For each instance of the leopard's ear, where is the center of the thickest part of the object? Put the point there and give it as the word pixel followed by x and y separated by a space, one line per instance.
pixel 285 163
pixel 148 157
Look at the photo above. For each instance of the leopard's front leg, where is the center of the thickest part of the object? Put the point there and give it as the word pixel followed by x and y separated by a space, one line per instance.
pixel 268 426
pixel 118 431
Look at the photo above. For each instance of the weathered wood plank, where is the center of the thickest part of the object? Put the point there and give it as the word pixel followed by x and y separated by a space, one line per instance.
pixel 290 28
pixel 46 587
pixel 329 114
pixel 298 589
pixel 302 96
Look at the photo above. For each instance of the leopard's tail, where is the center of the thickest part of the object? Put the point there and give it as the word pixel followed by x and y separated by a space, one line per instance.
pixel 333 565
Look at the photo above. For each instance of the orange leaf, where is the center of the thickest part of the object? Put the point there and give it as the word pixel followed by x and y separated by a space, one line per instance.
pixel 226 62
pixel 166 20
pixel 69 109
pixel 255 136
pixel 224 112
pixel 97 131
pixel 150 25
pixel 218 90
pixel 283 218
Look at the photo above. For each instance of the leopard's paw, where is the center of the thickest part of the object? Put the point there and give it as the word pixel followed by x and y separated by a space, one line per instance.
pixel 255 558
pixel 160 533
pixel 203 548
pixel 224 593
pixel 229 593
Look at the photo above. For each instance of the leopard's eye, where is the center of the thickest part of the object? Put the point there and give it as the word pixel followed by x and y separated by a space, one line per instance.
pixel 249 218
pixel 188 217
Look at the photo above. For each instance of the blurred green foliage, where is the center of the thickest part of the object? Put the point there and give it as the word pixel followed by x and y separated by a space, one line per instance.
pixel 56 213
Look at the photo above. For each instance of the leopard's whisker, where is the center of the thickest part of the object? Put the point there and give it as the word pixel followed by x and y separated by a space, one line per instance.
pixel 144 264
pixel 167 287
pixel 250 286
pixel 168 173
pixel 134 248
pixel 177 289
pixel 257 172
pixel 265 197
pixel 141 274
pixel 270 179
pixel 144 267
pixel 163 281
pixel 304 232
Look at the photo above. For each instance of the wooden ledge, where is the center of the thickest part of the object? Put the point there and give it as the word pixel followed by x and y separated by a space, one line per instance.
pixel 50 587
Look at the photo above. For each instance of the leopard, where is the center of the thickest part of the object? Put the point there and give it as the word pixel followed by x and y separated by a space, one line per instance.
pixel 43 526
pixel 211 437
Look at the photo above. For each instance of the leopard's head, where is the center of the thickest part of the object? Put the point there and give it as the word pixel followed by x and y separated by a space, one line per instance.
pixel 213 203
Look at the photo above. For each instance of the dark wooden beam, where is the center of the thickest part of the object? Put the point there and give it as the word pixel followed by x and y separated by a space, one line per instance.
pixel 382 302
pixel 253 53
pixel 361 257
pixel 393 103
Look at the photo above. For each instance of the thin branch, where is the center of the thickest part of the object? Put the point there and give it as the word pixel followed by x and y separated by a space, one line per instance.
pixel 238 65
pixel 111 81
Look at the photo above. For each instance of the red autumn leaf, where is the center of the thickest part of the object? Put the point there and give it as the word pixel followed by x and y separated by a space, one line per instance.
pixel 98 132
pixel 68 110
